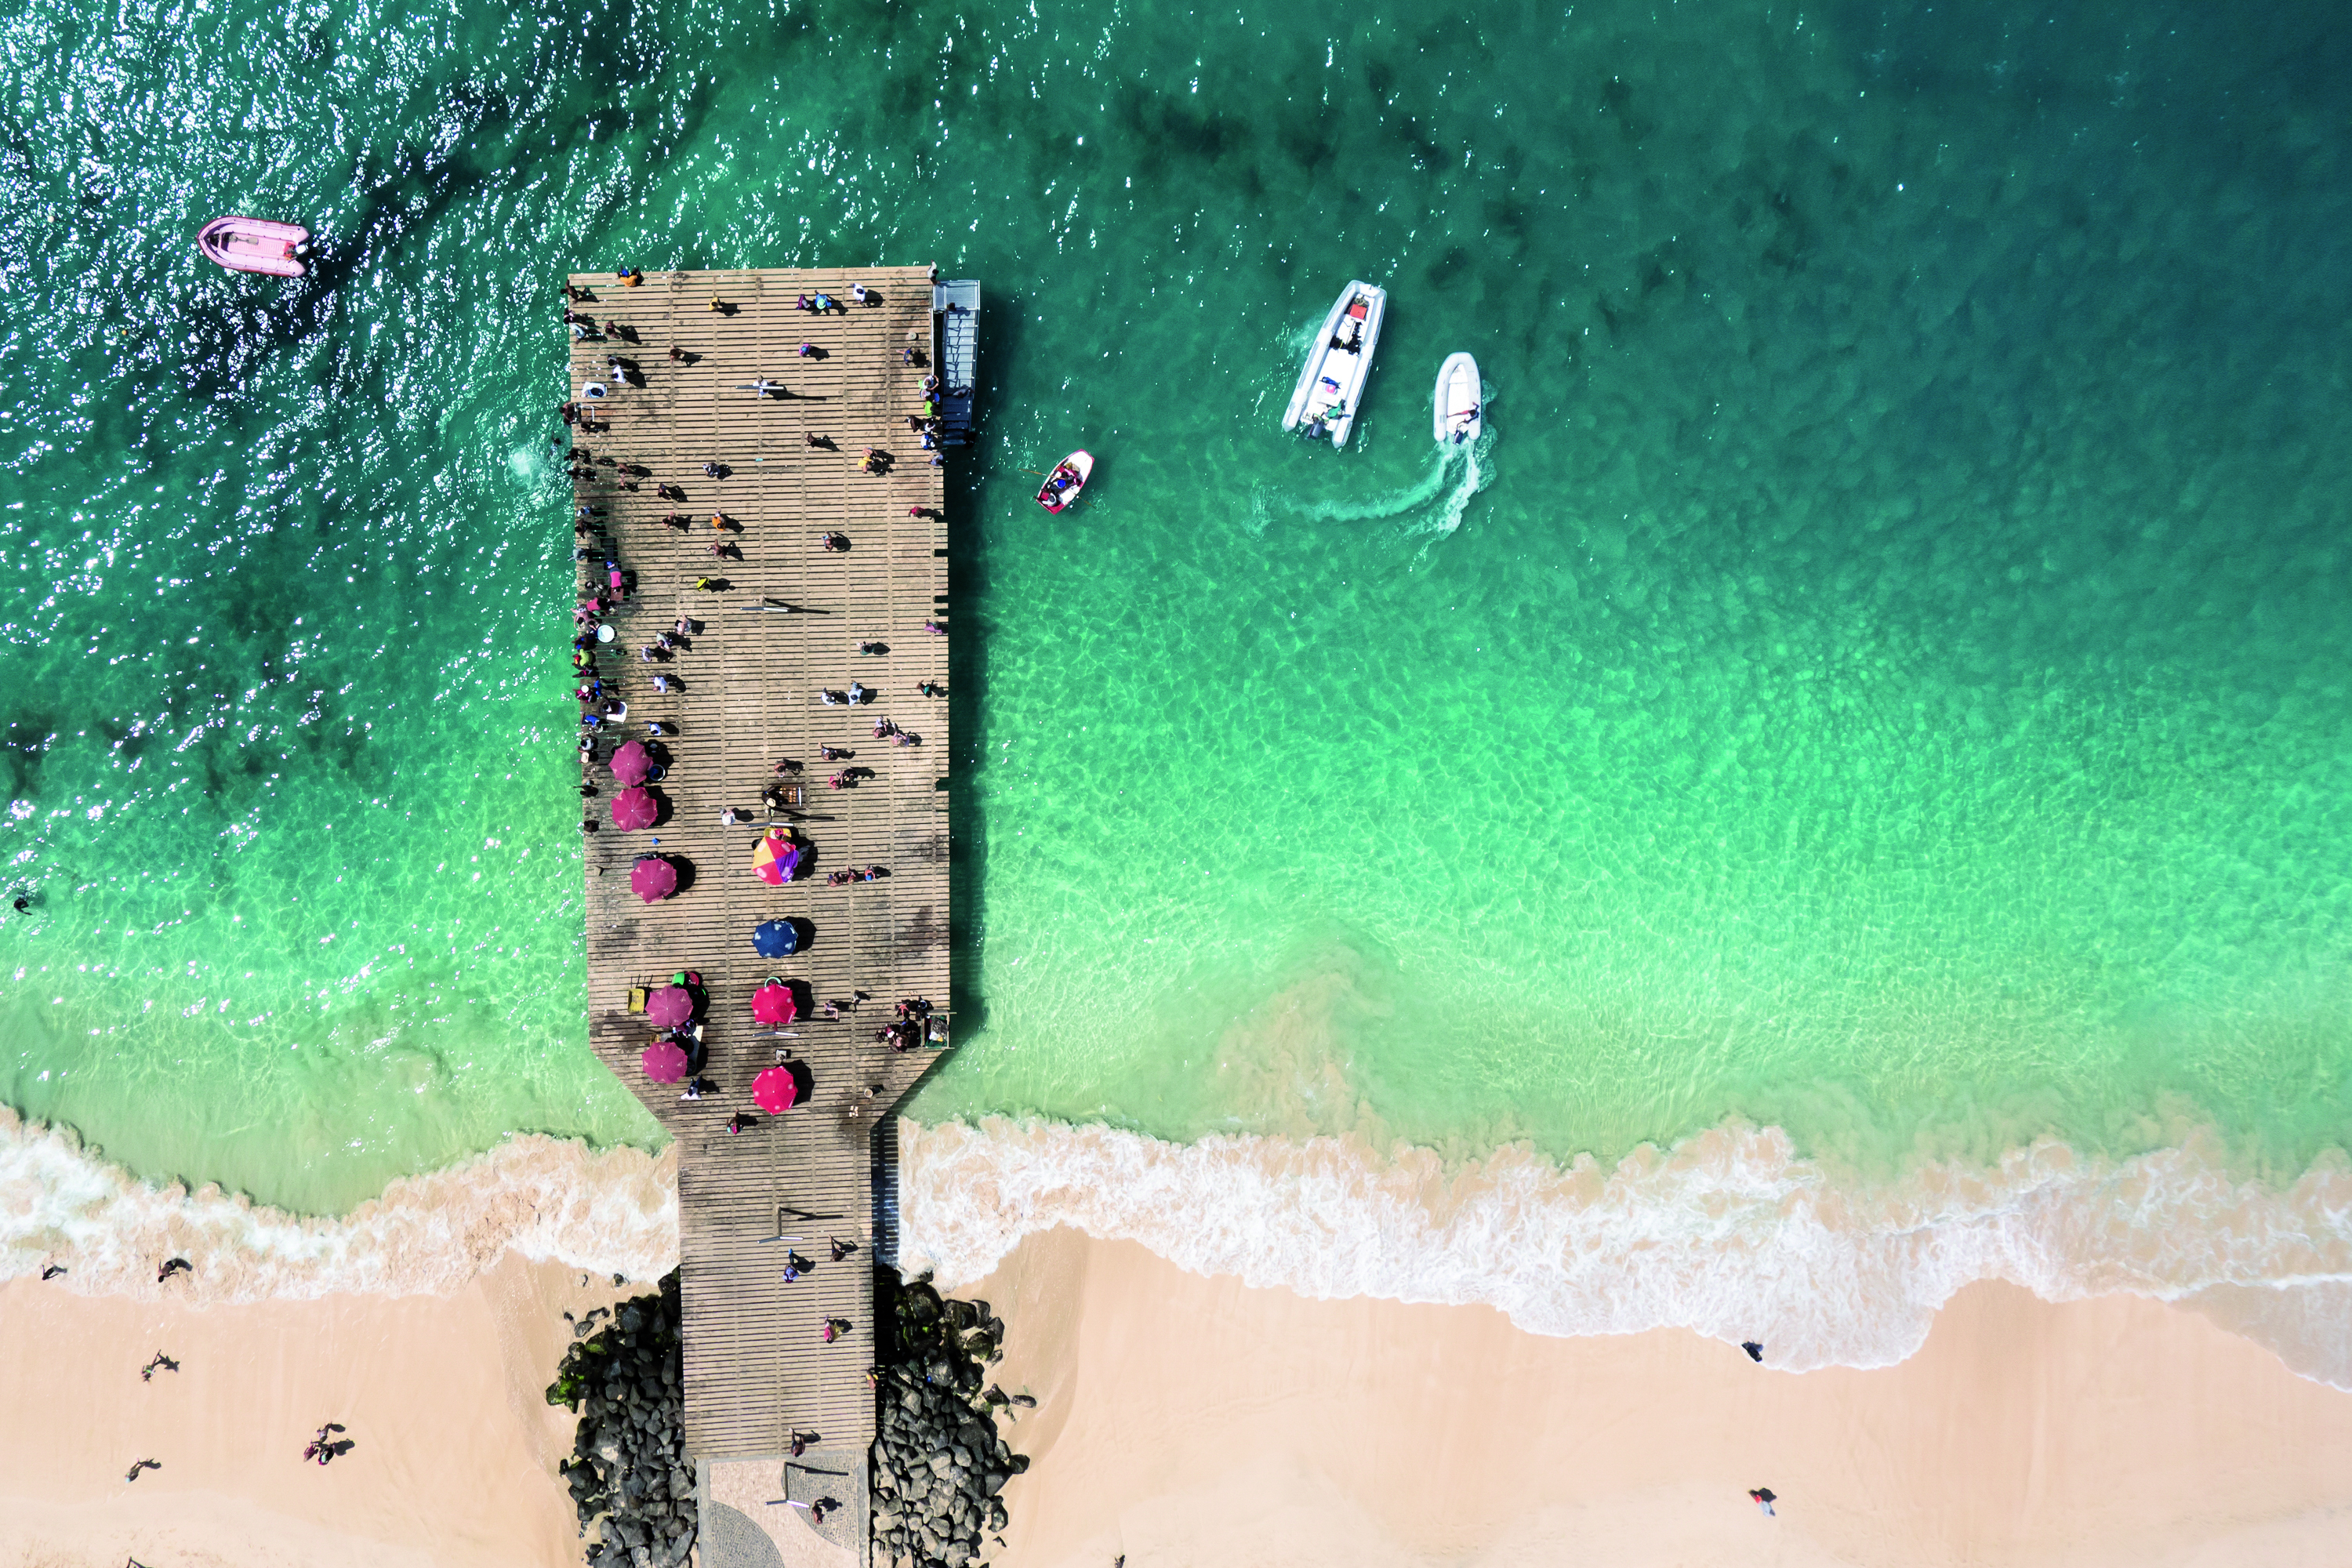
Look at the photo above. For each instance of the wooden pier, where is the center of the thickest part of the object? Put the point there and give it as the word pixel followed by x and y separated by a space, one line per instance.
pixel 774 623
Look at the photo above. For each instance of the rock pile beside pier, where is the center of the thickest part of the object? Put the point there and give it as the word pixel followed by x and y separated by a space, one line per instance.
pixel 938 1462
pixel 630 1478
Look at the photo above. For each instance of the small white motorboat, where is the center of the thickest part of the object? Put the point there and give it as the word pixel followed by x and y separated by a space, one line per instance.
pixel 1067 482
pixel 1331 383
pixel 255 245
pixel 1461 414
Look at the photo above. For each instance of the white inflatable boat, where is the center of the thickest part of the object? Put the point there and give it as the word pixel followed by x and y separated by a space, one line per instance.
pixel 1460 415
pixel 1331 383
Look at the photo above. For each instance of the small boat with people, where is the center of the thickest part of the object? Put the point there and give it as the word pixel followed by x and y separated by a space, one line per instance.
pixel 1331 383
pixel 1461 411
pixel 1067 482
pixel 255 245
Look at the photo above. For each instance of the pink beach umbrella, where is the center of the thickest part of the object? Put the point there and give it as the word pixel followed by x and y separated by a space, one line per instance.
pixel 631 765
pixel 633 808
pixel 774 1004
pixel 775 1090
pixel 670 1005
pixel 663 1061
pixel 653 878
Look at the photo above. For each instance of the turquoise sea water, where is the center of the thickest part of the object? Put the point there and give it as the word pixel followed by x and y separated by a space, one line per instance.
pixel 1885 678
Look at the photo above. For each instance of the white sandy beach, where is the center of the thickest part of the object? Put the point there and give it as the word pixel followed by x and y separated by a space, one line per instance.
pixel 455 1454
pixel 1187 1420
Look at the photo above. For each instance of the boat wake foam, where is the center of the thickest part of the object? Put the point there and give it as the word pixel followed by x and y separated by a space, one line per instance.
pixel 611 1212
pixel 1730 1233
pixel 1430 508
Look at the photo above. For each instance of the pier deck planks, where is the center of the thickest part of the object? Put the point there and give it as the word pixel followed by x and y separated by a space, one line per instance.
pixel 755 1366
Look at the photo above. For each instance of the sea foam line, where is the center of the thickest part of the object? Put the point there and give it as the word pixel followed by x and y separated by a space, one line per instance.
pixel 1730 1233
pixel 610 1211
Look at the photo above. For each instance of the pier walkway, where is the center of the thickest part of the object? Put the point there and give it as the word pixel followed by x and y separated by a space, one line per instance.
pixel 772 624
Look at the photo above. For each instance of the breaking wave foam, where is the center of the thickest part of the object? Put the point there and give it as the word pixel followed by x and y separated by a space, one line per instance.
pixel 612 1211
pixel 1730 1233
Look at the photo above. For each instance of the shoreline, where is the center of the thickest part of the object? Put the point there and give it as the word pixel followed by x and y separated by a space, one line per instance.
pixel 1187 1420
pixel 1728 1233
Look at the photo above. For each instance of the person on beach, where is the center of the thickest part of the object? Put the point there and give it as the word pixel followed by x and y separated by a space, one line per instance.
pixel 162 1363
pixel 835 1328
pixel 53 1270
pixel 716 303
pixel 737 1123
pixel 1755 1351
pixel 931 688
pixel 142 1465
pixel 835 542
pixel 708 585
pixel 814 440
pixel 841 1249
pixel 935 629
pixel 835 754
pixel 807 350
pixel 1763 1498
pixel 174 1266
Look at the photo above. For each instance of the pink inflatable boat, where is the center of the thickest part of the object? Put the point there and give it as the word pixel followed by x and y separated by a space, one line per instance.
pixel 254 245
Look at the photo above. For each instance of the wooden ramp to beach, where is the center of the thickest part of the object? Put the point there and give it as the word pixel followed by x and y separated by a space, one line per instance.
pixel 786 620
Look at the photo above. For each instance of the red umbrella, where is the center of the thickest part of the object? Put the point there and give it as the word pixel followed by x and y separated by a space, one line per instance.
pixel 664 1062
pixel 774 1004
pixel 633 808
pixel 631 765
pixel 669 1005
pixel 775 1090
pixel 653 878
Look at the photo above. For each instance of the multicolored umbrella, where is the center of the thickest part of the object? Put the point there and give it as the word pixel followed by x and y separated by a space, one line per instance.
pixel 663 1061
pixel 774 1004
pixel 669 1006
pixel 775 938
pixel 775 1090
pixel 631 764
pixel 653 878
pixel 776 858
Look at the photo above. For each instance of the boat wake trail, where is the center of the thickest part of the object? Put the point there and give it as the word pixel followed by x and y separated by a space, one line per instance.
pixel 1475 474
pixel 1426 510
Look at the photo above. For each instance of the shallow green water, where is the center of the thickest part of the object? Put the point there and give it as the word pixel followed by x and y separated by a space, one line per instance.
pixel 1890 684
